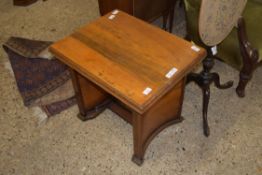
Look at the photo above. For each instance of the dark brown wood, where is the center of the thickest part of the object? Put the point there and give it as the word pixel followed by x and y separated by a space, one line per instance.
pixel 106 6
pixel 171 15
pixel 165 17
pixel 250 57
pixel 204 79
pixel 23 2
pixel 147 10
pixel 122 110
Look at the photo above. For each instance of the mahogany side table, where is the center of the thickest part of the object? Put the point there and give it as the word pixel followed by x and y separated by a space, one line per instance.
pixel 135 69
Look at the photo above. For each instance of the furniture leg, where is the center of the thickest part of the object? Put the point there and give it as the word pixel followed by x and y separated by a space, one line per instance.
pixel 171 18
pixel 244 78
pixel 216 79
pixel 203 80
pixel 181 3
pixel 91 99
pixel 146 126
pixel 139 151
pixel 250 58
pixel 165 16
pixel 171 15
pixel 206 96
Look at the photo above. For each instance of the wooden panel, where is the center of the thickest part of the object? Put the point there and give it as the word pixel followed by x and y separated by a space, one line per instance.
pixel 165 110
pixel 124 56
pixel 88 94
pixel 149 10
pixel 106 6
pixel 163 113
pixel 121 110
pixel 91 94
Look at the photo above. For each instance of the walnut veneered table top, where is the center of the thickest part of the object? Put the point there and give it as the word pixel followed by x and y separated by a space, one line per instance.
pixel 133 61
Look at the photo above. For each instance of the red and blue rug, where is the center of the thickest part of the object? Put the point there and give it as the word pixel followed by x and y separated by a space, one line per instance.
pixel 37 77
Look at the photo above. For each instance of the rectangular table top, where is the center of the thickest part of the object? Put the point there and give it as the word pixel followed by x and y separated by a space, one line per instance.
pixel 133 61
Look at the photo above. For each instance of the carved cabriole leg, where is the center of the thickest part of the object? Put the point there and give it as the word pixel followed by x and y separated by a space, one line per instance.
pixel 250 57
pixel 203 80
pixel 244 77
pixel 91 99
pixel 216 80
pixel 206 96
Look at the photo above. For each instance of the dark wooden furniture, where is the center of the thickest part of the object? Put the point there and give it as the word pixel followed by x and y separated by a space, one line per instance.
pixel 204 79
pixel 210 22
pixel 250 56
pixel 132 67
pixel 147 10
pixel 23 2
pixel 242 48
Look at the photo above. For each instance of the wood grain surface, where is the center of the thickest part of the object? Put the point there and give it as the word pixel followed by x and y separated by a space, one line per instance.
pixel 125 55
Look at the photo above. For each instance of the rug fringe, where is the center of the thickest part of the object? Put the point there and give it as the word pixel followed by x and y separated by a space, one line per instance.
pixel 7 66
pixel 40 115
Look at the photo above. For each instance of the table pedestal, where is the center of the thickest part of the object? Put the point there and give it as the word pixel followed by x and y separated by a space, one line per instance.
pixel 204 79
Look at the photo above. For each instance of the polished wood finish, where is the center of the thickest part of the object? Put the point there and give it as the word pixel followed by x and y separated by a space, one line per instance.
pixel 250 57
pixel 147 10
pixel 23 2
pixel 88 95
pixel 204 79
pixel 114 60
pixel 146 126
pixel 111 51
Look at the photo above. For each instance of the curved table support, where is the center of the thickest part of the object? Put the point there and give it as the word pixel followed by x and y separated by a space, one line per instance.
pixel 250 58
pixel 92 100
pixel 141 145
pixel 204 79
pixel 146 126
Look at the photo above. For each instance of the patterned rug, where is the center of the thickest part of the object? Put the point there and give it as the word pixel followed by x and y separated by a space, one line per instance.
pixel 43 82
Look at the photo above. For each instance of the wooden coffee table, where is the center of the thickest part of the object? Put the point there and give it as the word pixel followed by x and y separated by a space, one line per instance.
pixel 131 67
